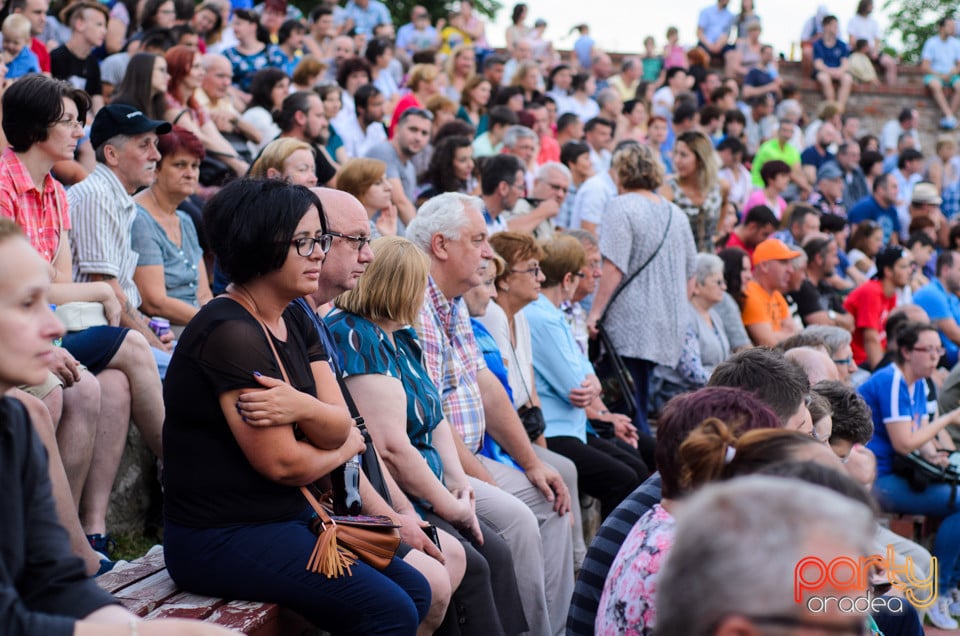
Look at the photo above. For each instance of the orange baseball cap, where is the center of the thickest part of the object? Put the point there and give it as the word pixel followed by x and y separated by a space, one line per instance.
pixel 773 250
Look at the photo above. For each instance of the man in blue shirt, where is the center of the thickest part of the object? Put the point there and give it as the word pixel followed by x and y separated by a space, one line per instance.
pixel 830 61
pixel 939 299
pixel 363 15
pixel 940 62
pixel 880 208
pixel 713 30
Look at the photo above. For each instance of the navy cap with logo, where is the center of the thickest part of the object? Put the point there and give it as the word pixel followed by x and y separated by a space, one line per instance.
pixel 120 119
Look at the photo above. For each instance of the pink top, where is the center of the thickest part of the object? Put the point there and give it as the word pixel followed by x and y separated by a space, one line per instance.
pixel 675 56
pixel 759 198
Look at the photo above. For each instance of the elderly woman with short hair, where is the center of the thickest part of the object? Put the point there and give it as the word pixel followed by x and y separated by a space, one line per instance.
pixel 837 341
pixel 705 343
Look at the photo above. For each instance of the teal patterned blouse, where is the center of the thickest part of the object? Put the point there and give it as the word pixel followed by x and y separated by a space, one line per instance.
pixel 365 349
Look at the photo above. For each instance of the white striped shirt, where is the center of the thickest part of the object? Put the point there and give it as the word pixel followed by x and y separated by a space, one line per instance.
pixel 102 214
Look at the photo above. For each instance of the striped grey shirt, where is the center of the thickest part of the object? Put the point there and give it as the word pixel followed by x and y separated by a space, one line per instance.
pixel 102 214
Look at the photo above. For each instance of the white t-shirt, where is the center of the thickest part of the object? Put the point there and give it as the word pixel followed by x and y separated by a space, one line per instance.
pixel 519 359
pixel 863 28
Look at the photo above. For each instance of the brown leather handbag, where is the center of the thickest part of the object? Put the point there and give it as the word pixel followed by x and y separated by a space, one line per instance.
pixel 341 540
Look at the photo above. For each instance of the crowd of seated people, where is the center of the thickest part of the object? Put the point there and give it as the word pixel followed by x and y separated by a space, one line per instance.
pixel 259 227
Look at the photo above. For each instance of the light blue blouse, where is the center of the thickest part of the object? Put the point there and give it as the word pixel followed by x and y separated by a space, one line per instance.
pixel 180 263
pixel 559 367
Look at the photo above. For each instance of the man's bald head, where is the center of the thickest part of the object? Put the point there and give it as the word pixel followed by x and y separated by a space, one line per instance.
pixel 816 363
pixel 343 264
pixel 219 75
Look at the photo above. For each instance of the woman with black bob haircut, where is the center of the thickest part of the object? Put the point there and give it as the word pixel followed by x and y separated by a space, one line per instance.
pixel 32 110
pixel 241 436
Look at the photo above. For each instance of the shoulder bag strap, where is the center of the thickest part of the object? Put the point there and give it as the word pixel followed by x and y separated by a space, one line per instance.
pixel 629 279
pixel 324 517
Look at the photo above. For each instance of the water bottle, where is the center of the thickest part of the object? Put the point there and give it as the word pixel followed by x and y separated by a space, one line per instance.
pixel 346 487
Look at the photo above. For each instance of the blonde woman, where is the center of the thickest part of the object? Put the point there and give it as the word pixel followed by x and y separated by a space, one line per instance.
pixel 288 159
pixel 459 68
pixel 695 187
pixel 366 179
pixel 529 78
pixel 402 409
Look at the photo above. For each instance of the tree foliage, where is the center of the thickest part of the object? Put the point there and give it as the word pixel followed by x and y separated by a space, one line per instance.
pixel 914 21
pixel 400 9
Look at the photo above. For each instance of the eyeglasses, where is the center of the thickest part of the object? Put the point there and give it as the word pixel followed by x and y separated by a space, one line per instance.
pixel 535 270
pixel 306 245
pixel 73 124
pixel 580 274
pixel 938 351
pixel 844 362
pixel 359 241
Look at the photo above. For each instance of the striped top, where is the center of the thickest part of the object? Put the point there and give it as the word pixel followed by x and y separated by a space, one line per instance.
pixel 102 213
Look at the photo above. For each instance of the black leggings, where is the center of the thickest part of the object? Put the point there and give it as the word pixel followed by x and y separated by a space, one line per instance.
pixel 604 470
pixel 488 590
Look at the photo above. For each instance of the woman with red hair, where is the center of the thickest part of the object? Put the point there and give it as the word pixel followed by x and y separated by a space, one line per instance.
pixel 186 75
pixel 170 273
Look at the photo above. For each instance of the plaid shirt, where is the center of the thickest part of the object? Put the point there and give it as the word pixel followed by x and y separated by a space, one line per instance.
pixel 40 212
pixel 453 359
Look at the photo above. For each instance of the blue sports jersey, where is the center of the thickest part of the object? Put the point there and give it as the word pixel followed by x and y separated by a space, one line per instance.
pixel 891 400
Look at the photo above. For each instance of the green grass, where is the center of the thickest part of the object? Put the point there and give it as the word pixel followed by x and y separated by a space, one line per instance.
pixel 132 546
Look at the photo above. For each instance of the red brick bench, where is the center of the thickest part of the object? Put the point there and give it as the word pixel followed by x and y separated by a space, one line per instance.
pixel 145 588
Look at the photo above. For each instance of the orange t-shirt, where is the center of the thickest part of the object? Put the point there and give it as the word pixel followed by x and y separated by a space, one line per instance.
pixel 761 307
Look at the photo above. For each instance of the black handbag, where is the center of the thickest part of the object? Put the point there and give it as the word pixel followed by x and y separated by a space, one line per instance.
pixel 920 473
pixel 533 422
pixel 619 389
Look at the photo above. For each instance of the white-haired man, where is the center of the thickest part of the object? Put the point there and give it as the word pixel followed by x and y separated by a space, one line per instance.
pixel 451 229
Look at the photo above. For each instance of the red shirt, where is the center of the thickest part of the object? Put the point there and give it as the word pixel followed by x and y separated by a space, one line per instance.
pixel 734 241
pixel 870 308
pixel 549 151
pixel 41 213
pixel 43 55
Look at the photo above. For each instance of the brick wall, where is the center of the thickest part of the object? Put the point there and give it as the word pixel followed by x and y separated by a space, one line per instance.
pixel 876 106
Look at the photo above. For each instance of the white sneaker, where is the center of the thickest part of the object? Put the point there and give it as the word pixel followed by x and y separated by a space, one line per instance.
pixel 954 607
pixel 939 614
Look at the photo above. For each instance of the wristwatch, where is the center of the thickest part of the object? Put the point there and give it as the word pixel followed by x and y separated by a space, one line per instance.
pixel 831 314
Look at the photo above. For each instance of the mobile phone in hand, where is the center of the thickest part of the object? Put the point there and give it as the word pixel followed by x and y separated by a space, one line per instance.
pixel 431 532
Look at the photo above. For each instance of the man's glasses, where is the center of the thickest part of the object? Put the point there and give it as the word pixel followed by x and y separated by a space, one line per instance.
pixel 843 362
pixel 358 241
pixel 306 245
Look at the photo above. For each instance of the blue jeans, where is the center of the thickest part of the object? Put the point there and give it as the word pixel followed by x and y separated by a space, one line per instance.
pixel 894 494
pixel 267 562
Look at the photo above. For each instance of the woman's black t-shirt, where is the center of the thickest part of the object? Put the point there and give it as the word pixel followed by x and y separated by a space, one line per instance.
pixel 208 481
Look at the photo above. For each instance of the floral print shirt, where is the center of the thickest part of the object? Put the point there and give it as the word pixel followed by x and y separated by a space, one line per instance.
pixel 629 594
